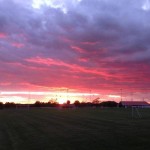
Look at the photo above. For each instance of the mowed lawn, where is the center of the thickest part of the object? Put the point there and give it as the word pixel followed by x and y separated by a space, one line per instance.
pixel 74 129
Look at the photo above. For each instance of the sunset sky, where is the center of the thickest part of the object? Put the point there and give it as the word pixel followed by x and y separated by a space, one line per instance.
pixel 82 46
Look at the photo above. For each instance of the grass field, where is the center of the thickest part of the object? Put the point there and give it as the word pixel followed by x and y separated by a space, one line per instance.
pixel 74 129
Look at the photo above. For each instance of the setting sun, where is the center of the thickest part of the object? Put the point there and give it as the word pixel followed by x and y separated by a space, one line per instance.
pixel 31 97
pixel 61 101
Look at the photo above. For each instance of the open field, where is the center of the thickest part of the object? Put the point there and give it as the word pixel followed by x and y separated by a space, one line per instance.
pixel 74 129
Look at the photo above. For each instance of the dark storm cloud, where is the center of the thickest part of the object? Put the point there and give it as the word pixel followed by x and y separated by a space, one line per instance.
pixel 109 36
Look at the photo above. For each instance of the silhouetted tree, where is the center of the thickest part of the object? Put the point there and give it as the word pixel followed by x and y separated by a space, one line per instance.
pixel 52 103
pixel 95 101
pixel 10 105
pixel 68 102
pixel 77 103
pixel 1 105
pixel 37 104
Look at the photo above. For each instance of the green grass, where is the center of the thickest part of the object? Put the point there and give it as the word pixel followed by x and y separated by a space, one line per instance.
pixel 74 129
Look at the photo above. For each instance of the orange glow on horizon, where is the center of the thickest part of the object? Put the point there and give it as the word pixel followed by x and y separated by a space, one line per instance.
pixel 114 96
pixel 61 101
pixel 32 97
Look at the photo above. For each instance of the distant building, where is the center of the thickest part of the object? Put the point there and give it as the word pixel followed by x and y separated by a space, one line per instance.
pixel 142 104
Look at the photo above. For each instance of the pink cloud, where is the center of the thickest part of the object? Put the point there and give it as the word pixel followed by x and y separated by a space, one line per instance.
pixel 92 49
pixel 83 59
pixel 2 35
pixel 17 45
pixel 73 67
pixel 78 49
pixel 90 43
pixel 5 83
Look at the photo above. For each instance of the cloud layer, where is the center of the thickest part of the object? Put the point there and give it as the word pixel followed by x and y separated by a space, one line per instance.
pixel 102 45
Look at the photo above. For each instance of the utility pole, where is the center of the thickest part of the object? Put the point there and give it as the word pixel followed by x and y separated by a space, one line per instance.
pixel 67 93
pixel 90 96
pixel 28 101
pixel 131 96
pixel 121 94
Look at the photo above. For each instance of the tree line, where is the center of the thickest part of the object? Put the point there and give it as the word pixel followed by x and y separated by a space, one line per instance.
pixel 54 103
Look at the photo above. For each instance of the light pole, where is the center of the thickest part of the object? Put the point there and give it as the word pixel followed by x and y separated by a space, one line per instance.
pixel 121 94
pixel 67 93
